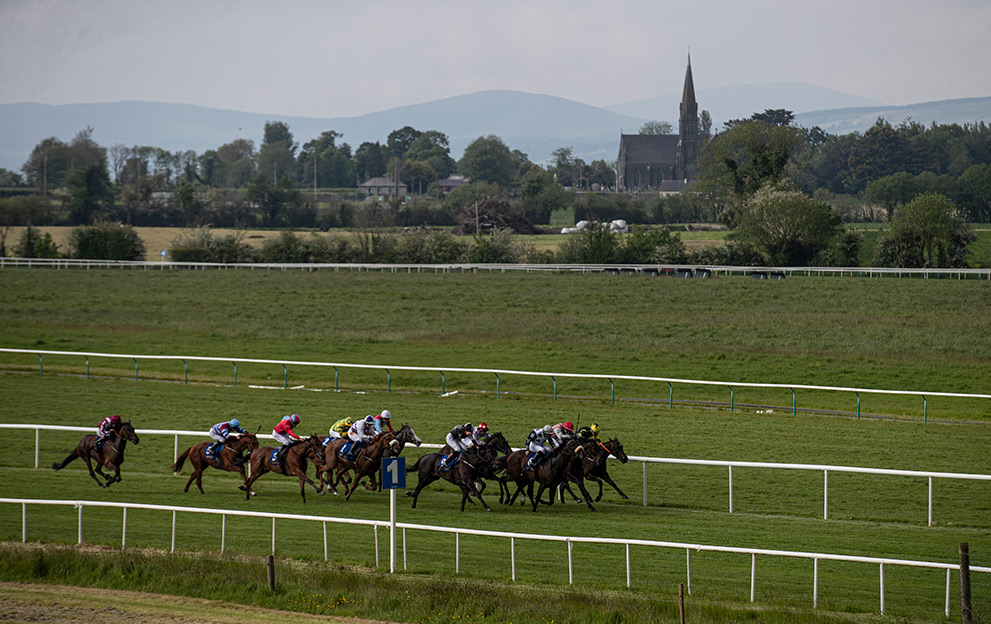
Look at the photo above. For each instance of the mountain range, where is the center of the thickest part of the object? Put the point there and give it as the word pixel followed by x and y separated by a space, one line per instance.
pixel 532 123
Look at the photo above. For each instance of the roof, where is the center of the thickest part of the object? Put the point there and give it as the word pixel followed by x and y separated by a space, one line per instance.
pixel 649 148
pixel 380 181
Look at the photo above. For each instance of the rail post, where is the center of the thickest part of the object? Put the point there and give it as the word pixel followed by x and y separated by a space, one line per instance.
pixel 825 495
pixel 37 445
pixel 24 523
pixel 223 533
pixel 173 531
pixel 185 372
pixel 858 405
pixel 930 505
pixel 457 553
pixel 966 607
pixel 753 576
pixel 87 366
pixel 644 484
pixel 925 409
pixel 815 583
pixel 731 489
pixel 135 368
pixel 512 557
pixel 612 386
pixel 337 377
pixel 794 403
pixel 388 380
pixel 41 365
pixel 123 532
pixel 688 570
pixel 555 386
pixel 273 535
pixel 285 377
pixel 497 385
pixel 443 383
pixel 571 574
pixel 627 566
pixel 730 398
pixel 881 578
pixel 235 373
pixel 670 396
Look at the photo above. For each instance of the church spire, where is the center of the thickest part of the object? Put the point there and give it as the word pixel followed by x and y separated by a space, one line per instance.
pixel 688 128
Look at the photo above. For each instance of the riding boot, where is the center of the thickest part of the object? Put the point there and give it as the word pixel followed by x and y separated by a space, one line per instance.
pixel 281 455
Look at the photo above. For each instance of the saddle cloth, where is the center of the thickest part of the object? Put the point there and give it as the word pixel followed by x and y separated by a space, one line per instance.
pixel 345 448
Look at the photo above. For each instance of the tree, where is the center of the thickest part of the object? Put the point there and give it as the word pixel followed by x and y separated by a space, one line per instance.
pixel 277 200
pixel 90 192
pixel 892 191
pixel 106 241
pixel 369 161
pixel 278 133
pixel 487 159
pixel 975 193
pixel 541 195
pixel 926 232
pixel 788 227
pixel 417 175
pixel 657 127
pixel 35 245
pixel 705 125
pixel 775 116
pixel 878 153
pixel 399 141
pixel 433 148
pixel 48 164
pixel 745 158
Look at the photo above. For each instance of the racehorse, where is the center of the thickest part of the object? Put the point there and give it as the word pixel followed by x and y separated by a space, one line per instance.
pixel 549 473
pixel 366 464
pixel 292 464
pixel 599 473
pixel 582 468
pixel 110 456
pixel 336 468
pixel 463 473
pixel 491 469
pixel 227 459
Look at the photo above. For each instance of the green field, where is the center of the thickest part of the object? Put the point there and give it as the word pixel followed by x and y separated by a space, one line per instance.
pixel 896 334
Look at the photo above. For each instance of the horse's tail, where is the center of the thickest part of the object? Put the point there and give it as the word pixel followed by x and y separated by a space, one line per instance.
pixel 177 466
pixel 416 464
pixel 65 462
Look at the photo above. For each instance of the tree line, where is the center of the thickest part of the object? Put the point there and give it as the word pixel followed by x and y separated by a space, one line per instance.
pixel 762 176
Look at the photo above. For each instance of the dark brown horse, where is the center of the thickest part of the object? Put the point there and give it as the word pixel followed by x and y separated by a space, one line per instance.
pixel 463 473
pixel 549 473
pixel 492 469
pixel 615 448
pixel 582 468
pixel 227 459
pixel 293 464
pixel 111 456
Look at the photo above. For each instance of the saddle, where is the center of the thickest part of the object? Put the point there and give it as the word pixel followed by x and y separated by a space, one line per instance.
pixel 445 465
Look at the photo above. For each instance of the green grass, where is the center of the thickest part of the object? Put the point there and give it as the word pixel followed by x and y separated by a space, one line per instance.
pixel 909 334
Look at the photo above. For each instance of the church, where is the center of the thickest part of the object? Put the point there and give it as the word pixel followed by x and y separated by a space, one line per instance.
pixel 662 162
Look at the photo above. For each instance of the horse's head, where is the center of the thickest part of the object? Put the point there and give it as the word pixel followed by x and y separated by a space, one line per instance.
pixel 406 435
pixel 246 441
pixel 127 432
pixel 499 443
pixel 616 448
pixel 314 446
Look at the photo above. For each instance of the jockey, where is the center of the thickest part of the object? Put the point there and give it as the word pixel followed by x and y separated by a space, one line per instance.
pixel 538 442
pixel 590 431
pixel 480 434
pixel 284 434
pixel 384 418
pixel 340 428
pixel 562 432
pixel 460 440
pixel 220 432
pixel 361 432
pixel 107 425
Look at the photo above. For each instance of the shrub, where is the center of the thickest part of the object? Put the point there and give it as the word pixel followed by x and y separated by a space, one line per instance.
pixel 106 241
pixel 34 245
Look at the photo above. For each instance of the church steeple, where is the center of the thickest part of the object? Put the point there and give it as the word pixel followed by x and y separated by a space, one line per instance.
pixel 688 128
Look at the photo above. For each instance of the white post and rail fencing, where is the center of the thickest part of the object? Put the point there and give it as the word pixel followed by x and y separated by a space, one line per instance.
pixel 442 370
pixel 568 541
pixel 825 469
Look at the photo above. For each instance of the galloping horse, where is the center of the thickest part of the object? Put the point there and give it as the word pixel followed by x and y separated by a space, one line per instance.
pixel 463 473
pixel 227 459
pixel 366 464
pixel 549 473
pixel 110 456
pixel 599 474
pixel 582 468
pixel 293 464
pixel 336 468
pixel 491 469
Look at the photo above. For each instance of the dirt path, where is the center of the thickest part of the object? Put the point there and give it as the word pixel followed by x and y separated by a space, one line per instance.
pixel 61 604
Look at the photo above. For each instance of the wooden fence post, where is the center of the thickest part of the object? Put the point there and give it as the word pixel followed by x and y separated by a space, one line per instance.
pixel 270 564
pixel 681 603
pixel 966 608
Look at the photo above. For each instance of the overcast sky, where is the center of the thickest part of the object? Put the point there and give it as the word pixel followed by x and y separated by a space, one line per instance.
pixel 330 59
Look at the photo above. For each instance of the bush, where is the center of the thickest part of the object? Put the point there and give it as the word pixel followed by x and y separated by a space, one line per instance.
pixel 201 245
pixel 106 241
pixel 34 245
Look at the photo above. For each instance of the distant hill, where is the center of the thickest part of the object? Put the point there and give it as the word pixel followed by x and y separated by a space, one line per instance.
pixel 740 101
pixel 535 124
pixel 847 120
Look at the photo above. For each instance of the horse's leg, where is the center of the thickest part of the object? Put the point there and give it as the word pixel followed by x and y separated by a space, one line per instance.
pixel 616 487
pixel 588 497
pixel 256 471
pixel 244 478
pixel 89 464
pixel 565 486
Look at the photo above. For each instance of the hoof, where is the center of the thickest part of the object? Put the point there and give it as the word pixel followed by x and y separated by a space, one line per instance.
pixel 322 492
pixel 240 487
pixel 254 494
pixel 626 497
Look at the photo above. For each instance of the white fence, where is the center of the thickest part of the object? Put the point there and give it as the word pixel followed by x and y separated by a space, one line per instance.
pixel 570 541
pixel 670 381
pixel 676 270
pixel 826 469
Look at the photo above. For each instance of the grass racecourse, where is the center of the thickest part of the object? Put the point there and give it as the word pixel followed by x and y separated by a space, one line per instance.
pixel 909 334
